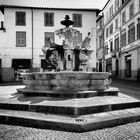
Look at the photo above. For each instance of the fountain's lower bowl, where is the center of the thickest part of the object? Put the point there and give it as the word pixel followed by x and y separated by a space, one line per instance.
pixel 65 81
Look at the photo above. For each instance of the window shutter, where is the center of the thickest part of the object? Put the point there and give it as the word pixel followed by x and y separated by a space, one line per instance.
pixel 20 39
pixel 49 19
pixel 20 18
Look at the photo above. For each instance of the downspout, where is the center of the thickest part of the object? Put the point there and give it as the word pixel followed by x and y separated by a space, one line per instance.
pixel 32 41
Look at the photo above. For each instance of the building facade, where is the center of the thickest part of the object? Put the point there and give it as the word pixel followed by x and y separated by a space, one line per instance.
pixel 122 38
pixel 25 28
pixel 100 44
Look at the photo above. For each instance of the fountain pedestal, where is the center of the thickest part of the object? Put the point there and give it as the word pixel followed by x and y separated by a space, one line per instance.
pixel 73 92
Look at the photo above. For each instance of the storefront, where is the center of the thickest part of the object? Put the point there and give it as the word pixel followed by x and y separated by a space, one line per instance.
pixel 109 65
pixel 20 65
pixel 128 65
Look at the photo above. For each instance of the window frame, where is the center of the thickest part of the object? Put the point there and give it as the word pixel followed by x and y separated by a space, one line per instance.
pixel 123 17
pixel 111 28
pixel 131 33
pixel 107 32
pixel 111 45
pixel 78 21
pixel 116 23
pixel 116 5
pixel 116 43
pixel 20 45
pixel 138 29
pixel 131 11
pixel 123 38
pixel 49 21
pixel 17 23
pixel 106 49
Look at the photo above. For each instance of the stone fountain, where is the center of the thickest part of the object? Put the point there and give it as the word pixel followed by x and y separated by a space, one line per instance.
pixel 69 81
pixel 65 79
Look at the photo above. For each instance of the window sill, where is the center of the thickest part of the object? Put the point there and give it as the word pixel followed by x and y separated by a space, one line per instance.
pixel 20 46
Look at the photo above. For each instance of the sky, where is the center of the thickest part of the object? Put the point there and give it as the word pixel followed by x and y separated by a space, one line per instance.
pixel 99 4
pixel 91 3
pixel 60 3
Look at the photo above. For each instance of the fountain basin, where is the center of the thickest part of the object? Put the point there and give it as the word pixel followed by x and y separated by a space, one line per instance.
pixel 66 81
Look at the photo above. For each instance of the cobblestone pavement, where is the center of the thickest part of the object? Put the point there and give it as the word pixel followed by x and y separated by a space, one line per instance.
pixel 125 132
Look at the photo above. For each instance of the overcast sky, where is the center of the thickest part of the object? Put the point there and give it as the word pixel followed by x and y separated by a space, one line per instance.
pixel 91 3
pixel 59 3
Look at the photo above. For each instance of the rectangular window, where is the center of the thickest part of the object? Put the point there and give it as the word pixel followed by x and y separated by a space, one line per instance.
pixel 49 35
pixel 111 46
pixel 20 39
pixel 123 1
pixel 138 29
pixel 111 11
pixel 116 23
pixel 131 33
pixel 101 41
pixel 20 18
pixel 123 17
pixel 123 38
pixel 131 11
pixel 77 18
pixel 106 32
pixel 116 5
pixel 106 49
pixel 107 15
pixel 111 28
pixel 116 44
pixel 49 19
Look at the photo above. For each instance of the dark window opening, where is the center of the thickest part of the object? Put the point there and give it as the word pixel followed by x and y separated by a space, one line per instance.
pixel 128 66
pixel 20 18
pixel 138 29
pixel 49 19
pixel 21 63
pixel 77 18
pixel 131 33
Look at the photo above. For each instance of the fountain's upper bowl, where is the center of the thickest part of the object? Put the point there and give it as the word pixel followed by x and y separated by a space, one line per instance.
pixel 66 75
pixel 66 80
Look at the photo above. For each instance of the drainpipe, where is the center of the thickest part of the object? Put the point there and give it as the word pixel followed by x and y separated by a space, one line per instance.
pixel 32 41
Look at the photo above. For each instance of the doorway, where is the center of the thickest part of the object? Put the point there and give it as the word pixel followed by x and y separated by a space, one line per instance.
pixel 117 67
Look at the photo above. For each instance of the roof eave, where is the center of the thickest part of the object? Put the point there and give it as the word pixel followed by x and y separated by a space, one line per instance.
pixel 52 8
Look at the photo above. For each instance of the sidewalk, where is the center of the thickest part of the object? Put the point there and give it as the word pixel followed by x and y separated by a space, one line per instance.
pixel 132 84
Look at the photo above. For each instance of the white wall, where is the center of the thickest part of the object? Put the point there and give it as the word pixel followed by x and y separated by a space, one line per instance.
pixel 9 48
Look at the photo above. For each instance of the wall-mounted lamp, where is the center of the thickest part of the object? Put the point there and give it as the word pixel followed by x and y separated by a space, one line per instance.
pixel 2 27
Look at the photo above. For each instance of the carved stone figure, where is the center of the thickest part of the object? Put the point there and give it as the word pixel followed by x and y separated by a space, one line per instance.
pixel 51 54
pixel 86 43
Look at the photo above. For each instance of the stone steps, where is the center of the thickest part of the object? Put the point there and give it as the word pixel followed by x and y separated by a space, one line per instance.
pixel 69 114
pixel 69 93
pixel 82 123
pixel 72 107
